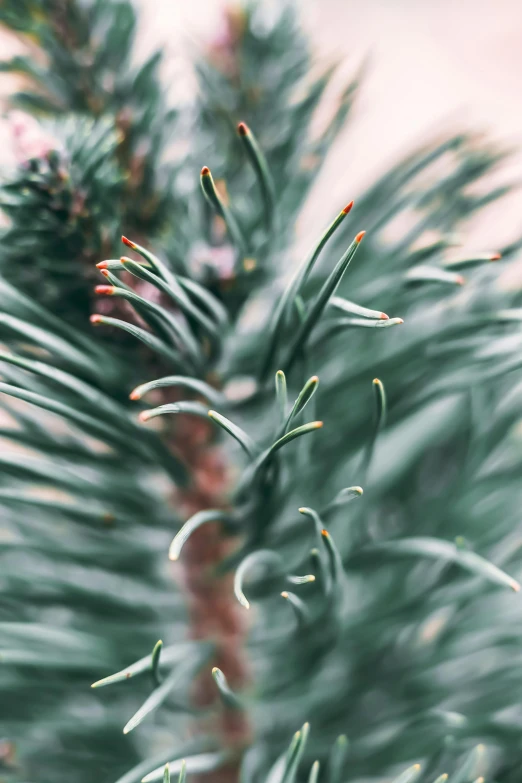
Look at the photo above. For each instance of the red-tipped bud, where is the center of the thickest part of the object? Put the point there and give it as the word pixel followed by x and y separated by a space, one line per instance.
pixel 384 317
pixel 102 265
pixel 460 280
pixel 205 171
pixel 104 289
pixel 95 319
pixel 347 208
pixel 495 257
pixel 325 533
pixel 128 243
pixel 105 272
pixel 135 394
pixel 242 129
pixel 359 236
pixel 144 416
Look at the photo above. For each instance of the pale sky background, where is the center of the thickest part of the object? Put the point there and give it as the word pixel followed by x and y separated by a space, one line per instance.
pixel 434 65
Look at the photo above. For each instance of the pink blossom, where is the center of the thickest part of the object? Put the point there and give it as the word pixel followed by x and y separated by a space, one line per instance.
pixel 30 140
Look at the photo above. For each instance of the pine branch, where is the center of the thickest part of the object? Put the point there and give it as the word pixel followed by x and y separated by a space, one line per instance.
pixel 359 612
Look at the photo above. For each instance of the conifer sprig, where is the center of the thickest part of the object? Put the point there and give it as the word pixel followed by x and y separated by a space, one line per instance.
pixel 396 627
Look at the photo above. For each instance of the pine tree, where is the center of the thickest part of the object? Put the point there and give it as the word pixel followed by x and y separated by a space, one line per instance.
pixel 386 617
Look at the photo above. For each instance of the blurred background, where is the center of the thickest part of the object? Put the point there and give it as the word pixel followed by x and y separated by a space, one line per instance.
pixel 429 67
pixel 423 660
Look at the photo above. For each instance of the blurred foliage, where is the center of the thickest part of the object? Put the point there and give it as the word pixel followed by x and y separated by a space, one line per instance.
pixel 80 60
pixel 410 650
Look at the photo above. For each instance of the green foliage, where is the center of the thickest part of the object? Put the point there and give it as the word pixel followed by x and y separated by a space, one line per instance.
pixel 89 70
pixel 107 129
pixel 397 626
pixel 67 199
